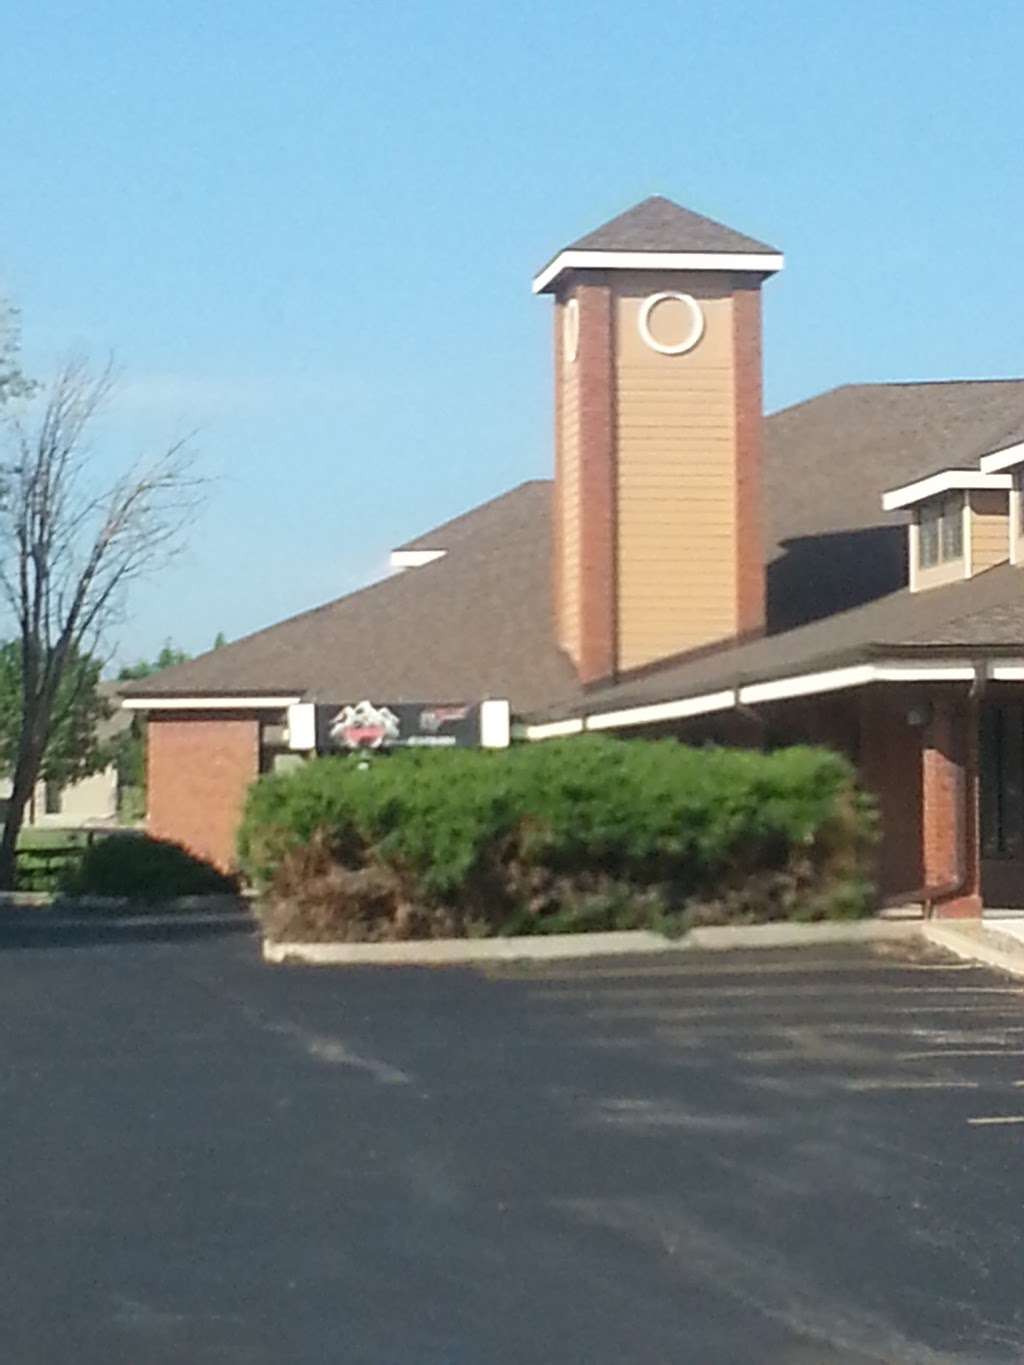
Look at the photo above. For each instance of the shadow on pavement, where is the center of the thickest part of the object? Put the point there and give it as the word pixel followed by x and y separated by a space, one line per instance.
pixel 40 929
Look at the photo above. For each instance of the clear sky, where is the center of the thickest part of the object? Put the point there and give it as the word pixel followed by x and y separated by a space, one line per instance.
pixel 307 229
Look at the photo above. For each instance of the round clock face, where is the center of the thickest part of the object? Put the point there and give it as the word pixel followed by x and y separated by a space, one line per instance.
pixel 670 323
pixel 571 330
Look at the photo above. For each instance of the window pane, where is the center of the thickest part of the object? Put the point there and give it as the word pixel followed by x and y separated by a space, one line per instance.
pixel 928 538
pixel 952 529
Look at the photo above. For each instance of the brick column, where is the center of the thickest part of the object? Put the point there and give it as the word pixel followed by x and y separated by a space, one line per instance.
pixel 557 494
pixel 949 795
pixel 749 421
pixel 598 648
pixel 199 771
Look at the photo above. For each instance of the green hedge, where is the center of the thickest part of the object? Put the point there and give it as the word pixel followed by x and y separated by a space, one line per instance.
pixel 144 869
pixel 581 833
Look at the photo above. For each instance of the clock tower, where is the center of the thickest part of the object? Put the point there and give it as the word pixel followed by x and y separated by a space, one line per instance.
pixel 658 413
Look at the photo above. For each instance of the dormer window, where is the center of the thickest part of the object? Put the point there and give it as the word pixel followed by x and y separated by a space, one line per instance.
pixel 959 524
pixel 941 531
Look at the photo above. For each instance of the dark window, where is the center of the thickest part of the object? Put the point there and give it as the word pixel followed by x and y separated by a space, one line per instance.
pixel 52 798
pixel 1002 781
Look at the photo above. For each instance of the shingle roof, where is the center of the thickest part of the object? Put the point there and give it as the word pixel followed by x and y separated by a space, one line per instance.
pixel 659 224
pixel 474 624
pixel 827 461
pixel 489 517
pixel 979 616
pixel 478 622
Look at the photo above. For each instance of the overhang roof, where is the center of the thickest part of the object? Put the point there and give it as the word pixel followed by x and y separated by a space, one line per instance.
pixel 945 481
pixel 969 619
pixel 658 233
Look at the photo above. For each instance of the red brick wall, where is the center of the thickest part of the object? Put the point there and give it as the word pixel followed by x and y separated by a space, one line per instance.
pixel 557 498
pixel 949 764
pixel 199 771
pixel 749 420
pixel 890 768
pixel 926 780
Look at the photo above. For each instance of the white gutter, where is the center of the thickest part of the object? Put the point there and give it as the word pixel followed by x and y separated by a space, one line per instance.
pixel 207 703
pixel 946 481
pixel 666 710
pixel 781 689
pixel 551 729
pixel 998 460
pixel 766 262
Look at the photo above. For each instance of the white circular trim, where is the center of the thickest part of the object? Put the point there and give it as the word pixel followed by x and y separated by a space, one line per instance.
pixel 692 336
pixel 571 330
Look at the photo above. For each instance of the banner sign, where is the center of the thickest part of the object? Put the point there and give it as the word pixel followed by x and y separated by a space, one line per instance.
pixel 348 726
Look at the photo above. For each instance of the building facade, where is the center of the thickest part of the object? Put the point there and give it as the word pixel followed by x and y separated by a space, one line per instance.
pixel 845 571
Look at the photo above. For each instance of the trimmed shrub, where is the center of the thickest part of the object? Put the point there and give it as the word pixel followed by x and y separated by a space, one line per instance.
pixel 144 869
pixel 583 833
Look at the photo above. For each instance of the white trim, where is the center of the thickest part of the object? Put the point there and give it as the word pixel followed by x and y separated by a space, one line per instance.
pixel 807 684
pixel 781 689
pixel 208 703
pixel 914 551
pixel 998 460
pixel 414 559
pixel 1014 527
pixel 696 330
pixel 943 482
pixel 666 710
pixel 495 724
pixel 571 331
pixel 301 726
pixel 765 263
pixel 966 536
pixel 550 729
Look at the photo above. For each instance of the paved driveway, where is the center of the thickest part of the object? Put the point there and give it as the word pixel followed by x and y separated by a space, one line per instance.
pixel 745 1158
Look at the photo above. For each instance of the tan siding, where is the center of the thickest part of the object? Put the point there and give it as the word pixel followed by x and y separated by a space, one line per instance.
pixel 569 606
pixel 675 434
pixel 990 529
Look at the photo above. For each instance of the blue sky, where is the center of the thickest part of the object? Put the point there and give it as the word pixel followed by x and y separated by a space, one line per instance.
pixel 307 231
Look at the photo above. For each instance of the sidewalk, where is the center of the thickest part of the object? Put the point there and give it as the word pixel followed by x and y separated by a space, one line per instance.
pixel 996 942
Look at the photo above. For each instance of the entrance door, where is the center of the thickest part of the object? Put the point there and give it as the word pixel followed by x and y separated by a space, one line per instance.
pixel 1002 805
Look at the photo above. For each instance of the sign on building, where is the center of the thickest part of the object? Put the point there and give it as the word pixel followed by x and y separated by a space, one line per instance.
pixel 345 727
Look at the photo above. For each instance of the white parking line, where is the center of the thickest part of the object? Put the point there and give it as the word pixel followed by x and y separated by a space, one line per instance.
pixel 996 1118
pixel 901 1084
pixel 961 1052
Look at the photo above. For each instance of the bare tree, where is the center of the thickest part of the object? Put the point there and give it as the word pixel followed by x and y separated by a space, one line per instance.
pixel 68 554
pixel 13 381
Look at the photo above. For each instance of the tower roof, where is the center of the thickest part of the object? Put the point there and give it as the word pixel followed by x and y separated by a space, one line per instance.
pixel 658 233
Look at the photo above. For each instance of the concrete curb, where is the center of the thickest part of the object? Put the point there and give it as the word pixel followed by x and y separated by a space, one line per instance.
pixel 979 943
pixel 549 947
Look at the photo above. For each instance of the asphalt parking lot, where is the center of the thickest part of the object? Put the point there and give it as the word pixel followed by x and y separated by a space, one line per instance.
pixel 799 1157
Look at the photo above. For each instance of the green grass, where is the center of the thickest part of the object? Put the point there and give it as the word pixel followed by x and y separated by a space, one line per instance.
pixel 51 838
pixel 45 856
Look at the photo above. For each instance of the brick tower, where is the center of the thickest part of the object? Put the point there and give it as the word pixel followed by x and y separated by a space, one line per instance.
pixel 657 437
